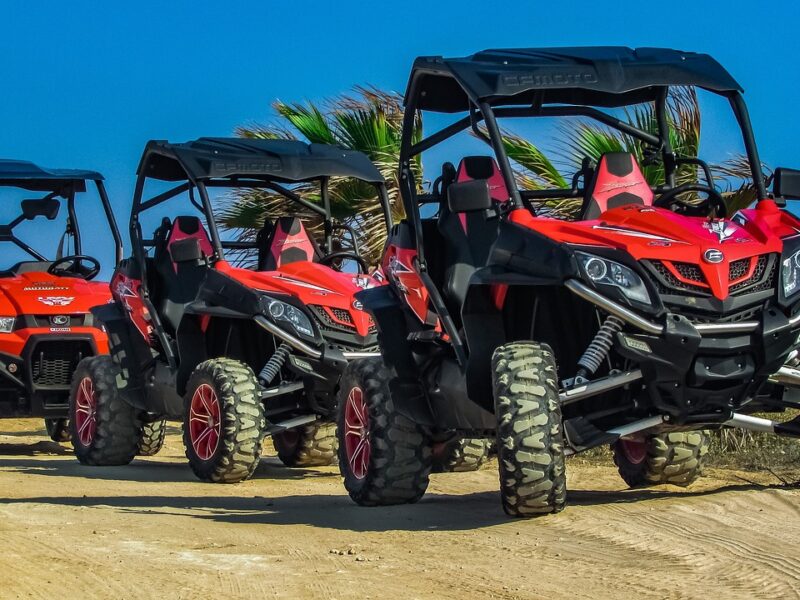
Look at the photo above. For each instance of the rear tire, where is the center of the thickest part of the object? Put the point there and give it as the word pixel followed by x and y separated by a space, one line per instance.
pixel 384 457
pixel 460 455
pixel 676 458
pixel 57 429
pixel 224 421
pixel 312 445
pixel 152 438
pixel 103 427
pixel 530 441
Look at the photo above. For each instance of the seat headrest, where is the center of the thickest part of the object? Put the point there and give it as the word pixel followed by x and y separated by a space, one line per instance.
pixel 185 227
pixel 289 242
pixel 484 167
pixel 617 181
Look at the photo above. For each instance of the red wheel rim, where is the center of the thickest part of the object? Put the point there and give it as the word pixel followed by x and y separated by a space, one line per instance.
pixel 85 411
pixel 634 450
pixel 204 421
pixel 357 444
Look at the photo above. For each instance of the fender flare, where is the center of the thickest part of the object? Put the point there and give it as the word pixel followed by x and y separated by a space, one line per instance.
pixel 128 350
pixel 485 326
pixel 394 327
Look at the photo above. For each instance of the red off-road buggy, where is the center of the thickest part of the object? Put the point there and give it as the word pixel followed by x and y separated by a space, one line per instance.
pixel 236 353
pixel 45 324
pixel 651 318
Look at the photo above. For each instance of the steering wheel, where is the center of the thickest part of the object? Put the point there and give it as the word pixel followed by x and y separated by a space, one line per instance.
pixel 363 268
pixel 713 205
pixel 74 267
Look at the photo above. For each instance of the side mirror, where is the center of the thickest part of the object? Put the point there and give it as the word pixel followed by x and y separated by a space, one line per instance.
pixel 40 207
pixel 186 251
pixel 468 196
pixel 786 183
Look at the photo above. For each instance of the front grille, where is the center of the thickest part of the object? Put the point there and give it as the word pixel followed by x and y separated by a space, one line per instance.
pixel 739 268
pixel 690 271
pixel 694 283
pixel 667 283
pixel 327 322
pixel 337 319
pixel 342 315
pixel 52 363
pixel 762 279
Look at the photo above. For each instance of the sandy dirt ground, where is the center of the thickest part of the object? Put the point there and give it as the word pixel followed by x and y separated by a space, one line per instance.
pixel 150 530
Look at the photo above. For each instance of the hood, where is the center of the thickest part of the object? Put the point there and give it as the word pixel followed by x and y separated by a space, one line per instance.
pixel 43 294
pixel 725 251
pixel 329 294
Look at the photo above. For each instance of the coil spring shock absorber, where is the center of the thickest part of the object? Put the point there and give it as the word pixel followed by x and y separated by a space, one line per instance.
pixel 274 364
pixel 600 346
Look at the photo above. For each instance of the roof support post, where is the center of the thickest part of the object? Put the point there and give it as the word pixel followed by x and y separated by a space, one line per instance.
pixel 500 152
pixel 743 118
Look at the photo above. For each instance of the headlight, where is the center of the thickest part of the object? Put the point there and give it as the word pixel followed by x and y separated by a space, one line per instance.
pixel 601 271
pixel 7 324
pixel 790 274
pixel 286 313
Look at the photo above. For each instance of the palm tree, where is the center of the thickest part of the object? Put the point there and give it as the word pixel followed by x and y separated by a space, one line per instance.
pixel 368 120
pixel 535 170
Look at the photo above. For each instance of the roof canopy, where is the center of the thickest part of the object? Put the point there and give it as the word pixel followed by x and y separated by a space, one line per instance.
pixel 599 76
pixel 26 175
pixel 279 160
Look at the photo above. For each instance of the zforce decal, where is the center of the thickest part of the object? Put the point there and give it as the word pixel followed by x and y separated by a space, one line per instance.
pixel 56 300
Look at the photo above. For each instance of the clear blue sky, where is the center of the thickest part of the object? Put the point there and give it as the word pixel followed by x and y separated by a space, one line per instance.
pixel 86 84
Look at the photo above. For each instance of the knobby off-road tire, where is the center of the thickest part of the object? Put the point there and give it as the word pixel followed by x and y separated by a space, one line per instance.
pixel 384 457
pixel 152 438
pixel 676 458
pixel 57 429
pixel 460 455
pixel 104 429
pixel 312 445
pixel 530 440
pixel 228 392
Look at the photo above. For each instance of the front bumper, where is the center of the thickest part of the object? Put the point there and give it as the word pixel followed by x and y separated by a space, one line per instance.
pixel 36 382
pixel 688 368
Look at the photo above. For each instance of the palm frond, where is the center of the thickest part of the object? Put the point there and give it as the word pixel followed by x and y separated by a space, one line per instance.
pixel 540 171
pixel 308 120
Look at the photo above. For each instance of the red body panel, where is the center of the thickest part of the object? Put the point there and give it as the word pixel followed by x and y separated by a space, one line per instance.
pixel 659 234
pixel 41 294
pixel 398 264
pixel 126 292
pixel 314 285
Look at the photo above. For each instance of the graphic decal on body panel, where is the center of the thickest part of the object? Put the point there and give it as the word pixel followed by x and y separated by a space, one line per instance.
pixel 637 234
pixel 304 284
pixel 56 300
pixel 721 229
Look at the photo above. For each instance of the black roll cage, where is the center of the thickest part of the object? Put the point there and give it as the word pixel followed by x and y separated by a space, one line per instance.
pixel 139 243
pixel 481 110
pixel 68 191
